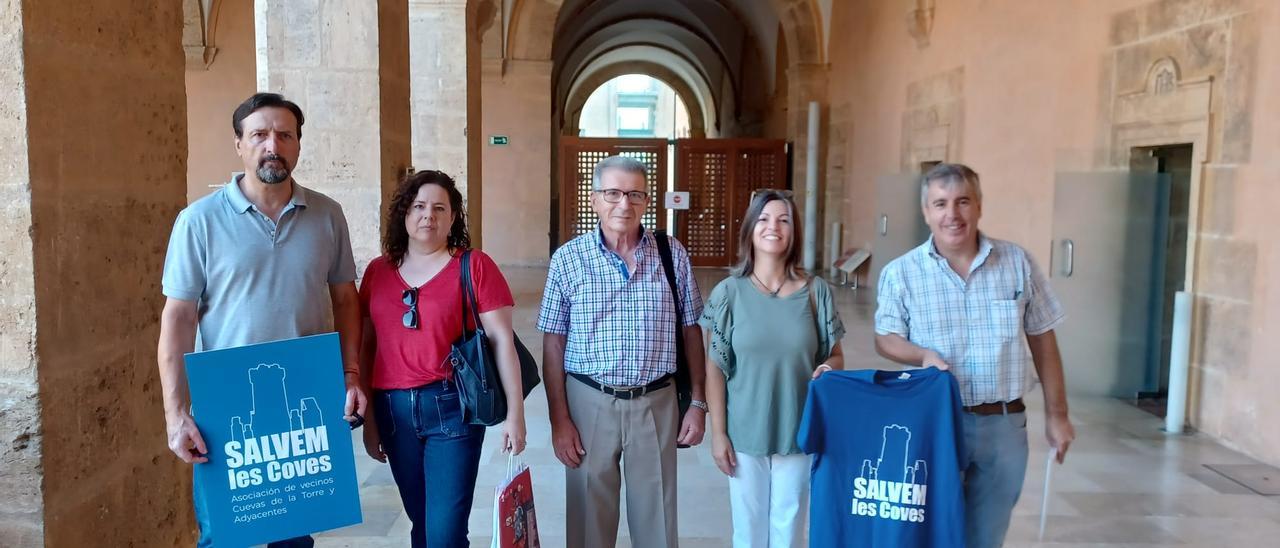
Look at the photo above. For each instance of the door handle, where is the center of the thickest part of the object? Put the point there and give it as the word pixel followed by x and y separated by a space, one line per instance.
pixel 884 224
pixel 1068 258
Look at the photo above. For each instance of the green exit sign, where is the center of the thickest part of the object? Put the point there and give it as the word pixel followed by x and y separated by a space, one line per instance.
pixel 497 139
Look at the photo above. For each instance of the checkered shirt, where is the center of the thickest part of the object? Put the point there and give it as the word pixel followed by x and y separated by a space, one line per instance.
pixel 620 327
pixel 979 327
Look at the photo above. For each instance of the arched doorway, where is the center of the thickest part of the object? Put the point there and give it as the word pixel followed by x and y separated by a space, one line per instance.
pixel 699 187
pixel 633 105
pixel 724 59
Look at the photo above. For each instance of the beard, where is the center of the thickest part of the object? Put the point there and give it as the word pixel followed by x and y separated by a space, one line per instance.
pixel 272 175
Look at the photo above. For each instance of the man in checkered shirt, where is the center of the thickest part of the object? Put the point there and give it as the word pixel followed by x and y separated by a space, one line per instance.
pixel 609 355
pixel 983 309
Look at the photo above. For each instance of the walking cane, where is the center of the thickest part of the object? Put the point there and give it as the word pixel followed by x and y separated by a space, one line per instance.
pixel 1044 503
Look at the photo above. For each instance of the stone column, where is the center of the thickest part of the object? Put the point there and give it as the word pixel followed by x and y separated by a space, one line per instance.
pixel 326 55
pixel 21 516
pixel 438 72
pixel 480 17
pixel 394 95
pixel 808 82
pixel 93 148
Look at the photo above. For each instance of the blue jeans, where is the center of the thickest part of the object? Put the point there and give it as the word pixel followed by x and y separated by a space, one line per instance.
pixel 434 459
pixel 996 446
pixel 206 539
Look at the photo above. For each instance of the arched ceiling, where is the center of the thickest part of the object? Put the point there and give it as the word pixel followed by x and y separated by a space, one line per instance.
pixel 637 40
pixel 706 104
pixel 590 83
pixel 715 25
pixel 718 46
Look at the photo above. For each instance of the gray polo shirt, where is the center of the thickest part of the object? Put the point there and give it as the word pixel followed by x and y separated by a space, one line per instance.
pixel 255 280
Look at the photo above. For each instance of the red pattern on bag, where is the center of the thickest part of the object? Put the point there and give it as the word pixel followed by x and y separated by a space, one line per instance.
pixel 516 519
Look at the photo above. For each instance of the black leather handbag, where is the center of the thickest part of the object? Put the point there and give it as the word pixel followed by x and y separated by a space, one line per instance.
pixel 475 366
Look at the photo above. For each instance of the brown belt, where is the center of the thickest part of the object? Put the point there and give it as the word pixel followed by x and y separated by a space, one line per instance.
pixel 997 408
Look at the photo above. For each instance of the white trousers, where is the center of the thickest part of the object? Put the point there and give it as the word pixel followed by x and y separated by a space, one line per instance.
pixel 769 501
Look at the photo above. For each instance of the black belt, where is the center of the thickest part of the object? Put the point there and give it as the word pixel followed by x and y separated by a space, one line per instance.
pixel 997 408
pixel 623 393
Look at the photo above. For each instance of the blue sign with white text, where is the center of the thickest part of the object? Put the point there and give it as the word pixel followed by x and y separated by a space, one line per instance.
pixel 280 457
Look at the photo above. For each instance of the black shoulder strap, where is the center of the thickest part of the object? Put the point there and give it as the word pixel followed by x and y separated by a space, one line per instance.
pixel 468 293
pixel 684 386
pixel 668 265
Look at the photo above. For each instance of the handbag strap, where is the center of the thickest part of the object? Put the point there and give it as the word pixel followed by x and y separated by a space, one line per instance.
pixel 468 294
pixel 668 266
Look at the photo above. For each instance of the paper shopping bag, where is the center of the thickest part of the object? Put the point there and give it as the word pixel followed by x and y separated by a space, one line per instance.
pixel 515 524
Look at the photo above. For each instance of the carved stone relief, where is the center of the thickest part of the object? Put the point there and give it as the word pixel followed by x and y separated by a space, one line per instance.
pixel 933 121
pixel 920 21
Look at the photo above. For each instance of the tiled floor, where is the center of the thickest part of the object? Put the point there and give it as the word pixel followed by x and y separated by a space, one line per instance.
pixel 1124 484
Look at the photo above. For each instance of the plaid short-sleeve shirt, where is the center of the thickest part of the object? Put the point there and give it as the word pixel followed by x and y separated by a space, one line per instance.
pixel 979 326
pixel 620 326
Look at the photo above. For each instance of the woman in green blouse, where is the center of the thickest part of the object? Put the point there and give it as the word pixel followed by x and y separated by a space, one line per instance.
pixel 772 329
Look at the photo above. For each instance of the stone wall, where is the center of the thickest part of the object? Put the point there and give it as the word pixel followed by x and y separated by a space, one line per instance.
pixel 213 93
pixel 437 53
pixel 324 55
pixel 1046 88
pixel 517 199
pixel 21 515
pixel 105 180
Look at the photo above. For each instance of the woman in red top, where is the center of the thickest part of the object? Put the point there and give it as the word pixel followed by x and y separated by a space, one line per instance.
pixel 412 302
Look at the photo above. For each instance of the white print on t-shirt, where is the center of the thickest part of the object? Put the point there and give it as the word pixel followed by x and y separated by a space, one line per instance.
pixel 891 489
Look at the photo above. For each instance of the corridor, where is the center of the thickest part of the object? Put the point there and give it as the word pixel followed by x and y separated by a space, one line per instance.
pixel 1125 483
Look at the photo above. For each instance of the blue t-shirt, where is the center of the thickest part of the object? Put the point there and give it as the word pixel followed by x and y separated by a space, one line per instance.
pixel 888 451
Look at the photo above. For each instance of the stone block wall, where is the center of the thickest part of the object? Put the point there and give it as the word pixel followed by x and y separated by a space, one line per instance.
pixel 92 192
pixel 21 515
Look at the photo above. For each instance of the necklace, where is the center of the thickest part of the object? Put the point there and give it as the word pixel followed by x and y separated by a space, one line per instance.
pixel 772 292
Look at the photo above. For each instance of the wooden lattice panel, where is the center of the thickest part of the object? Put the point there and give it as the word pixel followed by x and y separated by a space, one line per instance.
pixel 653 161
pixel 584 218
pixel 757 168
pixel 578 159
pixel 720 175
pixel 705 175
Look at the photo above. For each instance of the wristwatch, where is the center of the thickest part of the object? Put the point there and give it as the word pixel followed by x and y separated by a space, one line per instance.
pixel 700 405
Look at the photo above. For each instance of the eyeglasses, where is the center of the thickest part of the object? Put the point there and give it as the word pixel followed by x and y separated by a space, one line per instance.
pixel 613 196
pixel 781 193
pixel 410 299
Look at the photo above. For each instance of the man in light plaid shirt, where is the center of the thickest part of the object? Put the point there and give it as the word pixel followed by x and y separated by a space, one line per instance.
pixel 966 302
pixel 609 355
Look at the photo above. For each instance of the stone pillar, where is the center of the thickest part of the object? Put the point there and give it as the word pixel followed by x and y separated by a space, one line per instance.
pixel 438 72
pixel 395 96
pixel 21 515
pixel 325 55
pixel 93 147
pixel 808 82
pixel 480 17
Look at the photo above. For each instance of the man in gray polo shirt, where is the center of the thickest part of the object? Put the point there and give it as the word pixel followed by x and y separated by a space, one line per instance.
pixel 259 260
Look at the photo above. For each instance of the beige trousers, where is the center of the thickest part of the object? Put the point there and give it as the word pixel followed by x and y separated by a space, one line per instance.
pixel 631 440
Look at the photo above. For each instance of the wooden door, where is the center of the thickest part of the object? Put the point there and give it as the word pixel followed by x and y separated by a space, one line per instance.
pixel 720 175
pixel 578 159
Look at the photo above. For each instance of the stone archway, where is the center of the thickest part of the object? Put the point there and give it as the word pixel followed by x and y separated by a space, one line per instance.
pixel 801 25
pixel 525 95
pixel 587 86
pixel 533 23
